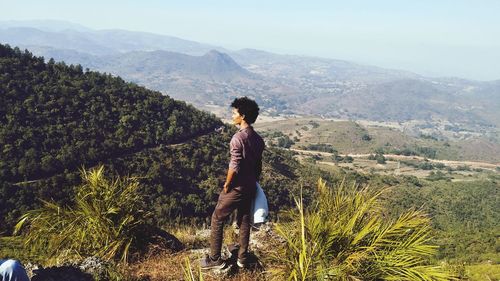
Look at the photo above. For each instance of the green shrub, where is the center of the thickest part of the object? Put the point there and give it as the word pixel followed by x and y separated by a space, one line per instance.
pixel 106 221
pixel 380 158
pixel 436 176
pixel 463 168
pixel 426 166
pixel 344 236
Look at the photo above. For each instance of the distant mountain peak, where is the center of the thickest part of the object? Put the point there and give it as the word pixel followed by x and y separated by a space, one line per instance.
pixel 219 56
pixel 222 61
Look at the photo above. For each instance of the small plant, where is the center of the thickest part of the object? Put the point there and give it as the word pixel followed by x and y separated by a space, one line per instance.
pixel 106 221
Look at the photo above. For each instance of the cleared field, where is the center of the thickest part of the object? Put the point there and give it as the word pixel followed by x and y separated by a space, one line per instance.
pixel 401 165
pixel 350 137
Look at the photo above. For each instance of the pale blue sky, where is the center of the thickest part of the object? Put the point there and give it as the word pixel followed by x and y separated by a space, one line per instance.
pixel 441 37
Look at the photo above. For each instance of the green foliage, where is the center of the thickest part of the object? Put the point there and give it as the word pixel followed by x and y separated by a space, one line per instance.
pixel 366 137
pixel 424 151
pixel 379 157
pixel 465 216
pixel 314 124
pixel 436 176
pixel 14 247
pixel 106 221
pixel 344 236
pixel 321 147
pixel 347 159
pixel 279 139
pixel 463 168
pixel 285 142
pixel 425 165
pixel 337 158
pixel 55 117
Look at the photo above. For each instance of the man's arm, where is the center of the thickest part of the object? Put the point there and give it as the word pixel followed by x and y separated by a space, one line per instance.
pixel 236 150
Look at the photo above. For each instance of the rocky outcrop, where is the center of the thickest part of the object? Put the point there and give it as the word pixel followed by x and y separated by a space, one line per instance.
pixel 90 269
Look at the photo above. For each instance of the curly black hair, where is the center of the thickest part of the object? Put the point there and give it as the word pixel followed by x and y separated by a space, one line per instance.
pixel 246 107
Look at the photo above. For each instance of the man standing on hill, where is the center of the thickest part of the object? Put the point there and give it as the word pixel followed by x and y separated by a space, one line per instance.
pixel 245 167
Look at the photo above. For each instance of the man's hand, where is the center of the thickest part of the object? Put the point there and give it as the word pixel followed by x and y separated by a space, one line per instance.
pixel 229 179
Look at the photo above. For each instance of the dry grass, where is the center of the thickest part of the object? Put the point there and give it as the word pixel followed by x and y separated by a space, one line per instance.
pixel 161 267
pixel 170 267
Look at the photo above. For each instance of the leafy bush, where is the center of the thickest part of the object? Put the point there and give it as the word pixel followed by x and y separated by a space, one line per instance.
pixel 463 168
pixel 378 156
pixel 344 236
pixel 436 176
pixel 106 221
pixel 314 124
pixel 366 137
pixel 285 142
pixel 427 152
pixel 323 147
pixel 426 166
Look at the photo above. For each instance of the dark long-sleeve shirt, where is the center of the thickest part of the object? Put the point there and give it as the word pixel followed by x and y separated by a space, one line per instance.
pixel 246 157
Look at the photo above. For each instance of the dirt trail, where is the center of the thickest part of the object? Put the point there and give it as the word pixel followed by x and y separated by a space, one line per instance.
pixel 125 153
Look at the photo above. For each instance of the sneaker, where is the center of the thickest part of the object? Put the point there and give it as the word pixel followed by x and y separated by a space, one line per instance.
pixel 241 263
pixel 208 263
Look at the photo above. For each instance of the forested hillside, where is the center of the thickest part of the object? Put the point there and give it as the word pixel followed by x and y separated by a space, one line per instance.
pixel 55 117
pixel 465 216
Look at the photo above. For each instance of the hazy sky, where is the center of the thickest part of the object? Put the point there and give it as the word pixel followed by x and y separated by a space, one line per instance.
pixel 438 38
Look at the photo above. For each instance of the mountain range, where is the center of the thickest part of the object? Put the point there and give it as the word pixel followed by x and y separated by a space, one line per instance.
pixel 205 74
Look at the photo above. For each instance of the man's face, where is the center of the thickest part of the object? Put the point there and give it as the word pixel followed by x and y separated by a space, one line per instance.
pixel 237 118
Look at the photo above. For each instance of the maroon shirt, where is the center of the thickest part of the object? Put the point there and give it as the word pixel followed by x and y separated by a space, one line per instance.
pixel 246 149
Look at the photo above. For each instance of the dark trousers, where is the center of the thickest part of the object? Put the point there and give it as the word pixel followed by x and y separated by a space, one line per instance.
pixel 238 198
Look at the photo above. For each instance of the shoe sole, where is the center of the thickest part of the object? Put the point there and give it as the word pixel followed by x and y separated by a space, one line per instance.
pixel 221 266
pixel 241 265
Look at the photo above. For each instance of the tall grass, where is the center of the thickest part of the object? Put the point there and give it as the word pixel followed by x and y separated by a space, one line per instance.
pixel 345 236
pixel 106 221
